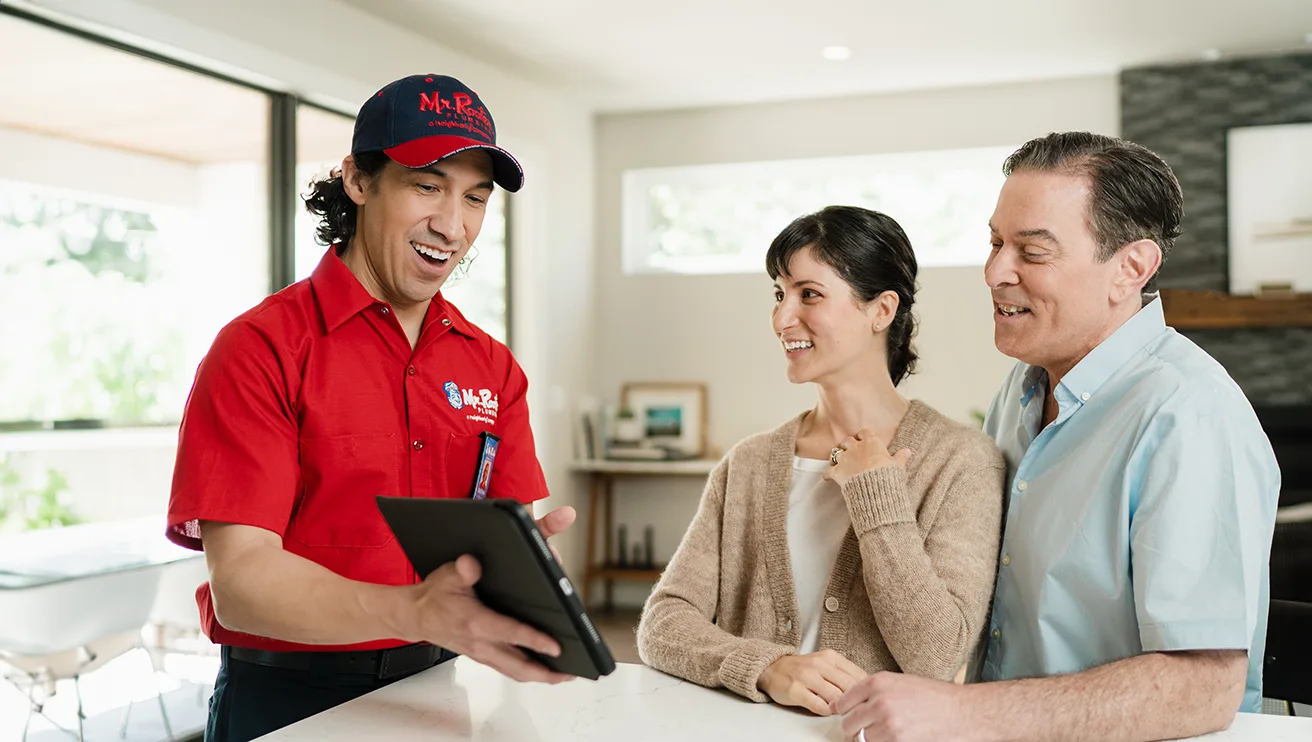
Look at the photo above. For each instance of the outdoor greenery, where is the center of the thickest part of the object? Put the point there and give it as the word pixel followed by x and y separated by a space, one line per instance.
pixel 26 507
pixel 80 282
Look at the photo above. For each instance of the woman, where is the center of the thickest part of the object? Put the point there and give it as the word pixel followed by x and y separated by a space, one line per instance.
pixel 861 535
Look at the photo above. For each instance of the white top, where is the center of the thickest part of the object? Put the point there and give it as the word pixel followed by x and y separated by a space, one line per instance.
pixel 462 700
pixel 817 523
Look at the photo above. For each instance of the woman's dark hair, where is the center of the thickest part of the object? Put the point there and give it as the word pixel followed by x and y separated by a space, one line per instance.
pixel 870 252
pixel 327 199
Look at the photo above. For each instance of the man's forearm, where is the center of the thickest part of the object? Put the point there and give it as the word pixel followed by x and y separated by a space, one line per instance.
pixel 1154 696
pixel 271 592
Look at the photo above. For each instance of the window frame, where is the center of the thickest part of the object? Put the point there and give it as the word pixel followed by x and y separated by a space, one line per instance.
pixel 283 192
pixel 635 221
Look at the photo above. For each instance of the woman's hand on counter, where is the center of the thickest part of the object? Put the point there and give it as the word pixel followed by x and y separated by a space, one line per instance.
pixel 812 681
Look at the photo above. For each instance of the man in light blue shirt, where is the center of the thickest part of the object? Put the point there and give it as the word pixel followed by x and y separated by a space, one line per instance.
pixel 1132 591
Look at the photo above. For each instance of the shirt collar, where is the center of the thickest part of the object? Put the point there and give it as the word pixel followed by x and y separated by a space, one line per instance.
pixel 337 291
pixel 441 311
pixel 341 296
pixel 1088 376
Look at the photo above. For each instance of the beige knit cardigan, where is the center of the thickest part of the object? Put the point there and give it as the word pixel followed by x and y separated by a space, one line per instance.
pixel 911 586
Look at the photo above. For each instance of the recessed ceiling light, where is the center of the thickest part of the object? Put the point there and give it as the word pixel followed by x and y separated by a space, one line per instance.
pixel 1211 55
pixel 836 53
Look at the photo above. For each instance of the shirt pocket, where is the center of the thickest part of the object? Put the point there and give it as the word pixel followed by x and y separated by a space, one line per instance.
pixel 341 477
pixel 462 458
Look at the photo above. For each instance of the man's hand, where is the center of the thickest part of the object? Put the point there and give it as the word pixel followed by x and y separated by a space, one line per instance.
pixel 892 707
pixel 812 681
pixel 556 522
pixel 449 615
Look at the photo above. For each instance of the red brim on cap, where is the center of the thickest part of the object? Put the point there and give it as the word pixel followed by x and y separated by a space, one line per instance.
pixel 416 153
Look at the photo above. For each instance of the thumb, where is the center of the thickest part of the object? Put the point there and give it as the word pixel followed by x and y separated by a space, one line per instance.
pixel 902 457
pixel 468 570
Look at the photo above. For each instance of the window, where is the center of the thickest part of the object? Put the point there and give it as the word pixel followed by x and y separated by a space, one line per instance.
pixel 132 227
pixel 323 139
pixel 479 286
pixel 722 218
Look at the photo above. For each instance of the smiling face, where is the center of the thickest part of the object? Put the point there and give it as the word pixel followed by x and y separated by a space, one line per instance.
pixel 1053 299
pixel 826 334
pixel 415 225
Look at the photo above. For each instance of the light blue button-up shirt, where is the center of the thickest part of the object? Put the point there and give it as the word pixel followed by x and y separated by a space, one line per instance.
pixel 1140 520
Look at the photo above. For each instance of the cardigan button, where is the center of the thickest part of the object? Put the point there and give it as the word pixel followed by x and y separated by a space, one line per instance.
pixel 788 626
pixel 831 604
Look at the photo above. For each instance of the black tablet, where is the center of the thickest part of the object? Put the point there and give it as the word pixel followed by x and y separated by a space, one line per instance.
pixel 520 578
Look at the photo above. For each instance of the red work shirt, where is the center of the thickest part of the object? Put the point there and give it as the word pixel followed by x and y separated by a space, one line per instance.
pixel 312 403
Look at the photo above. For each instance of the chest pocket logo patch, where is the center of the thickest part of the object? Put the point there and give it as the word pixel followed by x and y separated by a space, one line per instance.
pixel 453 395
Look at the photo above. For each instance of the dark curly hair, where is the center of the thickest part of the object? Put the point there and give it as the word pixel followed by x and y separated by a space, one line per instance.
pixel 327 199
pixel 872 254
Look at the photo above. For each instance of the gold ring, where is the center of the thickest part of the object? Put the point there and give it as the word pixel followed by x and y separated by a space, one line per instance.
pixel 833 455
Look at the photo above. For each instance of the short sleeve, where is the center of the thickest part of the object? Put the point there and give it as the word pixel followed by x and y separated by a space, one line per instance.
pixel 237 458
pixel 1202 516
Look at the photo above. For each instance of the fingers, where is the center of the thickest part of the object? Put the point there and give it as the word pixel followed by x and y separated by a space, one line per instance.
pixel 840 671
pixel 468 569
pixel 858 718
pixel 556 521
pixel 902 457
pixel 516 665
pixel 828 691
pixel 851 668
pixel 494 627
pixel 812 702
pixel 857 695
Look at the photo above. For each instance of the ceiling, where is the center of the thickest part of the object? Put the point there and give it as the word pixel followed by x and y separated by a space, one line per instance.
pixel 617 55
pixel 69 88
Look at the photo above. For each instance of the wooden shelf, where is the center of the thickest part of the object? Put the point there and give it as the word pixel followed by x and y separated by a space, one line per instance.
pixel 1216 310
pixel 671 468
pixel 614 572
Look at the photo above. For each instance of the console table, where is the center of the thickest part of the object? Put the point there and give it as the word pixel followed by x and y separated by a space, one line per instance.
pixel 603 473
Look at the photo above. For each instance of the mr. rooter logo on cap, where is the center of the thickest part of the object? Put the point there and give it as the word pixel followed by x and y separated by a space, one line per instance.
pixel 421 119
pixel 459 111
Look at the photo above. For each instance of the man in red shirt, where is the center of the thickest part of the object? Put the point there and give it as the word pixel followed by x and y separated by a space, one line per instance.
pixel 359 381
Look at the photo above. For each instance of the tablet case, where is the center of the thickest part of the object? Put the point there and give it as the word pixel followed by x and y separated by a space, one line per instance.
pixel 520 577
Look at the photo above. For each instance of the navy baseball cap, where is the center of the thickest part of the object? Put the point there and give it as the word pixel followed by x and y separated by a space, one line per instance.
pixel 421 119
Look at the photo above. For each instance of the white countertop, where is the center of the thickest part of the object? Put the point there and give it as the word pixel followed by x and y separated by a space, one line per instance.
pixel 463 700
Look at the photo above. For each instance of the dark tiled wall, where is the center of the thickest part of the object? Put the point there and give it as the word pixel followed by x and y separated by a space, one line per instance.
pixel 1182 112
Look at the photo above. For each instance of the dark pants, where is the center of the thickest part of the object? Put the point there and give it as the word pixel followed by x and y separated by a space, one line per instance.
pixel 252 700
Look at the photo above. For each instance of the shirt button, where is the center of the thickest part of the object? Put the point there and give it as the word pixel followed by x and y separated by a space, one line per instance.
pixel 831 604
pixel 411 371
pixel 446 322
pixel 385 310
pixel 1006 559
pixel 418 445
pixel 1022 484
pixel 997 633
pixel 1085 396
pixel 789 625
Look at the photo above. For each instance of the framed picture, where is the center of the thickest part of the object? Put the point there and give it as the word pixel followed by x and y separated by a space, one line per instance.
pixel 672 415
pixel 1269 208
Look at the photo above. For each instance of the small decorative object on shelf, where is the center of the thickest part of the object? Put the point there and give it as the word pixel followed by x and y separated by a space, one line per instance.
pixel 648 546
pixel 624 546
pixel 670 419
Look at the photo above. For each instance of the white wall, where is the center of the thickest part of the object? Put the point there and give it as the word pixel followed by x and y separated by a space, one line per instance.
pixel 716 328
pixel 336 54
